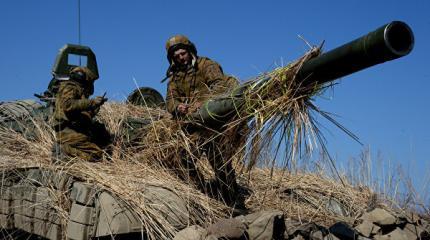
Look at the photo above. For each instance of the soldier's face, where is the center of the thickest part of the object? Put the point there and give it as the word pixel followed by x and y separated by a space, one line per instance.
pixel 182 57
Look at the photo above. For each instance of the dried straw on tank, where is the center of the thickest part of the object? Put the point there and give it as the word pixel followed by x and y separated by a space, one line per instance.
pixel 279 109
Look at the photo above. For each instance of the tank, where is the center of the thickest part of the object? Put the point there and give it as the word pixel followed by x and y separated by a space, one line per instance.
pixel 28 195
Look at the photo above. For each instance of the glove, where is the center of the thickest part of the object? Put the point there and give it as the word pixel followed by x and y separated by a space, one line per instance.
pixel 182 108
pixel 98 101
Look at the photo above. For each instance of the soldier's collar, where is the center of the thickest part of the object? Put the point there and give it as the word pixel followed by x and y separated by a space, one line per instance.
pixel 194 60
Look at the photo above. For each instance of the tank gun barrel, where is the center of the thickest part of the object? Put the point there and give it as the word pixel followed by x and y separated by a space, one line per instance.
pixel 389 42
pixel 386 43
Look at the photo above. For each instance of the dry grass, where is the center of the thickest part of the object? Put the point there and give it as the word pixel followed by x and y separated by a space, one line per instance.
pixel 390 181
pixel 306 196
pixel 125 177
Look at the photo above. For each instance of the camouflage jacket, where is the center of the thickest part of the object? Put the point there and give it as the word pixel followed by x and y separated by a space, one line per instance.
pixel 197 83
pixel 72 106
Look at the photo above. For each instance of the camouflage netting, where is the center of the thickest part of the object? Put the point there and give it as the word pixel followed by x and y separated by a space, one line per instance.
pixel 149 154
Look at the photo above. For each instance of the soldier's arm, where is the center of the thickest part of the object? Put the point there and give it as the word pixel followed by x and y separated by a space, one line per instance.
pixel 70 99
pixel 172 97
pixel 216 81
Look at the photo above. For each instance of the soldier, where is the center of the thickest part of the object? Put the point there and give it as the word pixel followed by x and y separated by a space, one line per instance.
pixel 77 134
pixel 192 80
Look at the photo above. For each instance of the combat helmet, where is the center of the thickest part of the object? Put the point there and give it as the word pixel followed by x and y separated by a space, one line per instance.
pixel 85 76
pixel 82 74
pixel 177 42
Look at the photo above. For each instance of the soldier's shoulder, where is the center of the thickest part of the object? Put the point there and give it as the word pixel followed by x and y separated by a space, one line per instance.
pixel 68 85
pixel 205 61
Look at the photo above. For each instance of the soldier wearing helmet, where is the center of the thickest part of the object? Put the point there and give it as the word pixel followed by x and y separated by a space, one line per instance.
pixel 77 134
pixel 192 80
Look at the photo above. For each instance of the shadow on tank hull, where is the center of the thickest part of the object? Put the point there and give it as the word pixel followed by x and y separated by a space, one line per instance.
pixel 33 196
pixel 35 201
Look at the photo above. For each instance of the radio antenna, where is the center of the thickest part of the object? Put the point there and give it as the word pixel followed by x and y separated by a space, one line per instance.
pixel 79 27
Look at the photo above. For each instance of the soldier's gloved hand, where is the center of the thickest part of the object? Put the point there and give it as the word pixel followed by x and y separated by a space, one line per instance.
pixel 99 100
pixel 182 108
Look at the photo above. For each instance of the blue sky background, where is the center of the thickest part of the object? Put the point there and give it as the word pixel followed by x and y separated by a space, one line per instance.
pixel 387 106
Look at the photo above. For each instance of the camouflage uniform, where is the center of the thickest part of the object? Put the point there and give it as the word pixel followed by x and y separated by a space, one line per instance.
pixel 192 85
pixel 77 134
pixel 197 83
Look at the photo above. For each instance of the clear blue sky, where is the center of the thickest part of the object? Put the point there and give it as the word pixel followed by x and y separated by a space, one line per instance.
pixel 387 106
